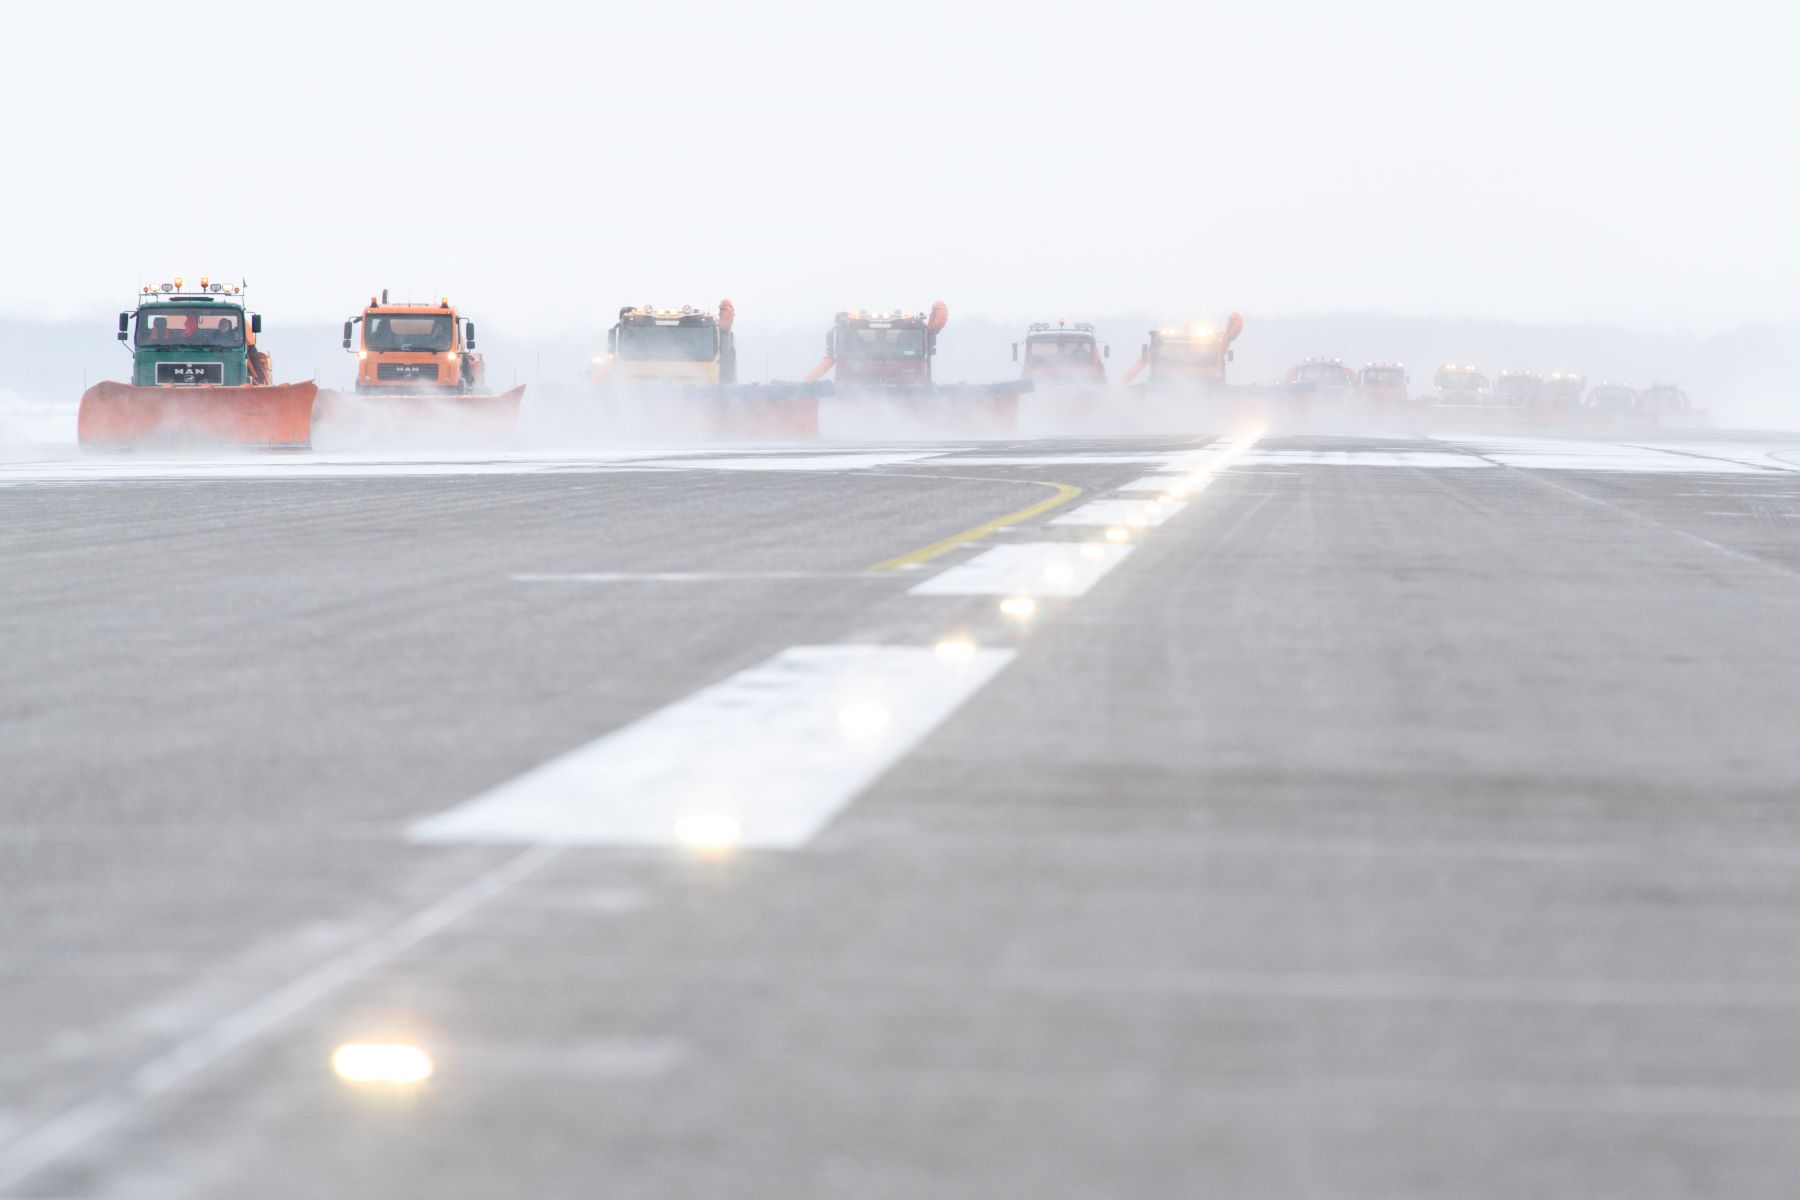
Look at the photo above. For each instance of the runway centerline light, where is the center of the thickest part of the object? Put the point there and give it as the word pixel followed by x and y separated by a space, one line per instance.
pixel 381 1063
pixel 709 833
pixel 1116 534
pixel 1018 607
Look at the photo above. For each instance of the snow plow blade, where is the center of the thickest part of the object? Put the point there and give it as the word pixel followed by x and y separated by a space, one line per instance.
pixel 118 414
pixel 615 413
pixel 959 409
pixel 765 411
pixel 347 420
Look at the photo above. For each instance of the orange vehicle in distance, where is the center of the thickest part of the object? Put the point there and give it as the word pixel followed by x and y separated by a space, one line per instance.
pixel 415 348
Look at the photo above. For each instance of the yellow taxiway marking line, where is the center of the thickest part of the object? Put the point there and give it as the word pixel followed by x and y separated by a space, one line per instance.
pixel 1065 492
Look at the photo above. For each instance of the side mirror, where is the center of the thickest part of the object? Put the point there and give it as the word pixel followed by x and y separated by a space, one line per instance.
pixel 124 326
pixel 1106 352
pixel 612 340
pixel 469 334
pixel 930 343
pixel 348 334
pixel 831 343
pixel 1231 356
pixel 255 322
pixel 1015 352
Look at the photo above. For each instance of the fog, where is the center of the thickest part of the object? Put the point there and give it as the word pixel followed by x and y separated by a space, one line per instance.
pixel 1548 164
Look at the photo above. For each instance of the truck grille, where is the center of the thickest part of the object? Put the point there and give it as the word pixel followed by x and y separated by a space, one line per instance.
pixel 407 372
pixel 190 374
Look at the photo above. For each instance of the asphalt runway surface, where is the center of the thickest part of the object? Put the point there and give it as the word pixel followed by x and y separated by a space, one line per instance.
pixel 1322 816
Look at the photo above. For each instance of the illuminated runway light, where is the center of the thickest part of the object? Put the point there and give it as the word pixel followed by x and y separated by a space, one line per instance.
pixel 1018 607
pixel 1116 534
pixel 862 719
pixel 1175 493
pixel 955 649
pixel 709 833
pixel 1059 575
pixel 373 1062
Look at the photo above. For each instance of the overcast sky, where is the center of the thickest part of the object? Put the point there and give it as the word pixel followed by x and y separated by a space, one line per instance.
pixel 546 163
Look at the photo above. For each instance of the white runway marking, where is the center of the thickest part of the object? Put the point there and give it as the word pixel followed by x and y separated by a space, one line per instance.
pixel 1158 483
pixel 686 576
pixel 1148 458
pixel 1424 459
pixel 794 462
pixel 25 1156
pixel 1029 569
pixel 763 759
pixel 1119 512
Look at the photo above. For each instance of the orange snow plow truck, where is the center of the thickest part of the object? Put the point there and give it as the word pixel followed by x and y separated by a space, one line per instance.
pixel 197 378
pixel 416 364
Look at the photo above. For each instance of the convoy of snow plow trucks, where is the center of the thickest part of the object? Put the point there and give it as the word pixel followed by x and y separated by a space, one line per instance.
pixel 199 377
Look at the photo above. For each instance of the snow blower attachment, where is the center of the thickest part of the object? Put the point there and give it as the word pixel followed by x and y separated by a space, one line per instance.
pixel 197 378
pixel 672 373
pixel 882 364
pixel 418 376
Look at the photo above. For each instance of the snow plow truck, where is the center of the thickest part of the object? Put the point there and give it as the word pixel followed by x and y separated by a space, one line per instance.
pixel 677 367
pixel 881 361
pixel 198 377
pixel 418 371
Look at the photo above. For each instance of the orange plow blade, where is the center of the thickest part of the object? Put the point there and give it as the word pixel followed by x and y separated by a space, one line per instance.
pixel 765 412
pixel 354 419
pixel 118 414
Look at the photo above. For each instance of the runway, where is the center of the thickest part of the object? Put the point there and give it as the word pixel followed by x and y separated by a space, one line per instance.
pixel 1241 815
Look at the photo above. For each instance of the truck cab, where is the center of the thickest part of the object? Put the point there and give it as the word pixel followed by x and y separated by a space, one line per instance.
pixel 1325 375
pixel 193 339
pixel 1564 389
pixel 685 346
pixel 1194 353
pixel 883 348
pixel 1613 397
pixel 414 348
pixel 1666 398
pixel 1062 354
pixel 1384 382
pixel 1519 389
pixel 1458 385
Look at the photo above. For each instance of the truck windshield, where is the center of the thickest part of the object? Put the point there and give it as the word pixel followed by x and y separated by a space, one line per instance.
pixel 189 327
pixel 409 332
pixel 1060 350
pixel 1664 397
pixel 900 341
pixel 1460 381
pixel 1517 385
pixel 668 343
pixel 1614 397
pixel 1201 353
pixel 1328 373
pixel 1383 377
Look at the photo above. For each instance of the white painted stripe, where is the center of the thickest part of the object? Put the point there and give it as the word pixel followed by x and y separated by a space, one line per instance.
pixel 769 755
pixel 1422 459
pixel 794 462
pixel 1157 483
pixel 1120 512
pixel 1148 458
pixel 685 576
pixel 25 1156
pixel 1028 569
